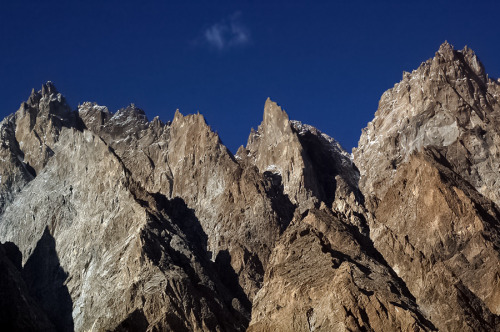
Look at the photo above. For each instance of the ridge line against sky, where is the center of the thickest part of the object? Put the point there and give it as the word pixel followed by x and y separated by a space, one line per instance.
pixel 327 64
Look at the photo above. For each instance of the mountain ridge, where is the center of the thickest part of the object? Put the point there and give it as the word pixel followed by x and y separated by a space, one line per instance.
pixel 145 225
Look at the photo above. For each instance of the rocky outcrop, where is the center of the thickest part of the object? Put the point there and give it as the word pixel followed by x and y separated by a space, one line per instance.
pixel 326 248
pixel 311 166
pixel 442 238
pixel 275 148
pixel 448 102
pixel 325 276
pixel 232 201
pixel 141 145
pixel 186 159
pixel 429 173
pixel 100 251
pixel 28 138
pixel 119 223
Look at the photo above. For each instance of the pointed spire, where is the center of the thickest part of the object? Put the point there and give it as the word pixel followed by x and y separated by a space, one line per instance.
pixel 34 97
pixel 178 115
pixel 445 47
pixel 474 63
pixel 48 89
pixel 446 51
pixel 273 114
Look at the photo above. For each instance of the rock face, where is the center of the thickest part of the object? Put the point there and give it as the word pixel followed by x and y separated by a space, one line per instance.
pixel 448 102
pixel 451 263
pixel 118 223
pixel 324 276
pixel 28 137
pixel 100 251
pixel 186 159
pixel 306 160
pixel 429 167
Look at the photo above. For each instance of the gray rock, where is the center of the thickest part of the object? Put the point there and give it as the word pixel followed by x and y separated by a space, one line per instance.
pixel 120 223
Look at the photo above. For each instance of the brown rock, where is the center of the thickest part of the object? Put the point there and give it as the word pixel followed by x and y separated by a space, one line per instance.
pixel 324 276
pixel 442 238
pixel 129 224
pixel 114 247
pixel 428 164
pixel 448 102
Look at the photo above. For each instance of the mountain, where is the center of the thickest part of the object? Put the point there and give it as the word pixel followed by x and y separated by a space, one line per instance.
pixel 113 222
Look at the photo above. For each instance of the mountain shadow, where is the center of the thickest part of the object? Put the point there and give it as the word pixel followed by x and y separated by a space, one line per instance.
pixel 136 321
pixel 221 268
pixel 45 279
pixel 18 310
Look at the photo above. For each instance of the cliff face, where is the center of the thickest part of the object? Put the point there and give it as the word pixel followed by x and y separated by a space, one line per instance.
pixel 448 102
pixel 429 167
pixel 122 223
pixel 442 238
pixel 101 251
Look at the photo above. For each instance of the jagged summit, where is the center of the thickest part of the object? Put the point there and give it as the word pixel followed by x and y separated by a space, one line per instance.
pixel 115 222
pixel 47 92
pixel 131 113
pixel 464 62
pixel 430 154
pixel 446 49
pixel 48 89
pixel 466 56
pixel 446 102
pixel 274 116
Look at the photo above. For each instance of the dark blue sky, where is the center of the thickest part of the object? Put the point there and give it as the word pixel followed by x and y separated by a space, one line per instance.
pixel 326 63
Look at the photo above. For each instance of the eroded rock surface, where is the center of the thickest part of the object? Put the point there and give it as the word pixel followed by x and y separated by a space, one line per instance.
pixel 443 240
pixel 123 224
pixel 429 167
pixel 448 102
pixel 325 276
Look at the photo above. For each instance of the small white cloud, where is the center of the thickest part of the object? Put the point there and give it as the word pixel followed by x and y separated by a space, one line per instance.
pixel 215 35
pixel 226 34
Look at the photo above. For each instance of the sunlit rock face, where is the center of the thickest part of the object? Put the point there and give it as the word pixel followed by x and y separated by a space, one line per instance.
pixel 450 103
pixel 115 222
pixel 429 165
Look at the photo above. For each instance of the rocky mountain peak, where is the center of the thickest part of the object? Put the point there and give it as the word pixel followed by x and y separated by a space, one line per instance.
pixel 48 101
pixel 465 59
pixel 193 126
pixel 446 50
pixel 446 102
pixel 131 113
pixel 34 97
pixel 311 166
pixel 37 125
pixel 133 110
pixel 128 117
pixel 191 134
pixel 48 89
pixel 275 118
pixel 117 223
pixel 181 119
pixel 274 126
pixel 89 107
pixel 429 162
